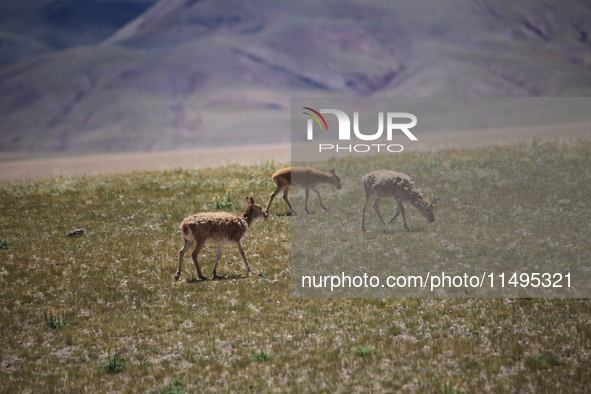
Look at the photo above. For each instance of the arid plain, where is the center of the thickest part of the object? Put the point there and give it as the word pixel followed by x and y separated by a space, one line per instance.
pixel 26 166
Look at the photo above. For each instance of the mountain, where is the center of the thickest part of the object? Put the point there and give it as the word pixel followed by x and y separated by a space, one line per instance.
pixel 31 27
pixel 203 73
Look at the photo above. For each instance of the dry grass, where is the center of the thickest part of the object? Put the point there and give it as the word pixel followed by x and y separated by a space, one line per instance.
pixel 512 209
pixel 116 285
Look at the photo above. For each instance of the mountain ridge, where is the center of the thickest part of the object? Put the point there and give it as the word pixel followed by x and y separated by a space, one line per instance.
pixel 197 74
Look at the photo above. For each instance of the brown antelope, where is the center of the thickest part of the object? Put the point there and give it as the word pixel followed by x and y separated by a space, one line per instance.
pixel 306 177
pixel 390 185
pixel 219 229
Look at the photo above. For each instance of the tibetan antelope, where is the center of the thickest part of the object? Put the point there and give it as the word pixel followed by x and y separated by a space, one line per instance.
pixel 390 185
pixel 306 177
pixel 219 229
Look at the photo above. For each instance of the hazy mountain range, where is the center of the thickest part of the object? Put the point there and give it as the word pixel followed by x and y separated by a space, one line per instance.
pixel 102 76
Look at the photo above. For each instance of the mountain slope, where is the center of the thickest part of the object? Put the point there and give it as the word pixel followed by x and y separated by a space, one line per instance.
pixel 189 73
pixel 30 27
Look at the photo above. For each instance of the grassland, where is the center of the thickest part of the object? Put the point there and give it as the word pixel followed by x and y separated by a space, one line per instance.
pixel 102 312
pixel 509 210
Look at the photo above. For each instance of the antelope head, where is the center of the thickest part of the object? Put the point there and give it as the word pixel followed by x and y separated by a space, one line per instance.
pixel 255 210
pixel 335 180
pixel 426 208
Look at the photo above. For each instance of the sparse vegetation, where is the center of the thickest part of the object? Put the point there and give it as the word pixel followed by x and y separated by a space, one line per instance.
pixel 543 361
pixel 395 330
pixel 362 350
pixel 176 386
pixel 3 244
pixel 115 363
pixel 223 203
pixel 451 388
pixel 262 355
pixel 117 284
pixel 55 319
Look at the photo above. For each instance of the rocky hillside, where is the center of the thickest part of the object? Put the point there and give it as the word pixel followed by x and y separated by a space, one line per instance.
pixel 101 76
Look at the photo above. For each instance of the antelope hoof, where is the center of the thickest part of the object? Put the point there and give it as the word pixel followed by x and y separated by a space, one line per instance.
pixel 215 276
pixel 177 276
pixel 201 277
pixel 324 208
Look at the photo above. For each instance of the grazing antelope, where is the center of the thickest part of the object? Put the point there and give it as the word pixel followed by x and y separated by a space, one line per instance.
pixel 306 177
pixel 219 229
pixel 390 185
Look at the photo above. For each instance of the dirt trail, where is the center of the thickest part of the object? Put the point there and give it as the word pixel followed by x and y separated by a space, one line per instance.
pixel 11 169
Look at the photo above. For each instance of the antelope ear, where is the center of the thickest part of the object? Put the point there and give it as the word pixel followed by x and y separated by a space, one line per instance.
pixel 332 171
pixel 250 200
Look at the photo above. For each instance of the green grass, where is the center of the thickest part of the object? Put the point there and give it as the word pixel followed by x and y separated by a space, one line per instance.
pixel 116 283
pixel 223 203
pixel 362 350
pixel 176 386
pixel 262 355
pixel 115 363
pixel 55 319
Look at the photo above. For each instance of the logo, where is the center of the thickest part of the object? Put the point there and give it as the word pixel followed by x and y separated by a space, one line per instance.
pixel 393 124
pixel 315 117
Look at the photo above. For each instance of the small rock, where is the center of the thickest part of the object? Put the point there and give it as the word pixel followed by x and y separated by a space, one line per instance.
pixel 76 233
